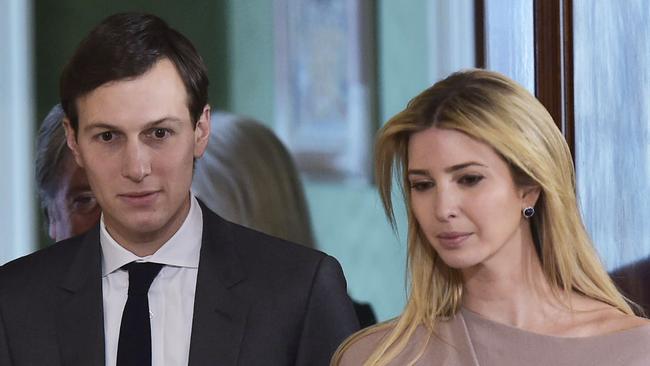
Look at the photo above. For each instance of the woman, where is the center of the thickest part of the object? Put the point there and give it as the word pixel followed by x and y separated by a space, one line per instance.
pixel 502 271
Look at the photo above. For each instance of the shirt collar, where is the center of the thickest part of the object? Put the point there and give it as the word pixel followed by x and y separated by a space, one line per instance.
pixel 181 250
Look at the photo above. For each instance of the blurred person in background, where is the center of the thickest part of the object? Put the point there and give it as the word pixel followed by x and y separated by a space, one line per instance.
pixel 247 176
pixel 634 281
pixel 69 205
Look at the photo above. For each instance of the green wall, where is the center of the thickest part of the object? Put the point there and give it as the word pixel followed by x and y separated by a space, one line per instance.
pixel 348 219
pixel 60 26
pixel 403 53
pixel 251 66
pixel 236 40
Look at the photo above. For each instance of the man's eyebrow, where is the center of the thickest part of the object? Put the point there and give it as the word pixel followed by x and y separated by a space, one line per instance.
pixel 450 169
pixel 163 120
pixel 96 125
pixel 108 126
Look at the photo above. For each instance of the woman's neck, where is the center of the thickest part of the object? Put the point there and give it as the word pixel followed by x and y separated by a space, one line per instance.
pixel 511 289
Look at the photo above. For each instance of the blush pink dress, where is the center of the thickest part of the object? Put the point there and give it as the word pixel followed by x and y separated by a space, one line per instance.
pixel 471 340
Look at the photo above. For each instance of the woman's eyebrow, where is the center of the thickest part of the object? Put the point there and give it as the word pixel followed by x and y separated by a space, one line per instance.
pixel 457 167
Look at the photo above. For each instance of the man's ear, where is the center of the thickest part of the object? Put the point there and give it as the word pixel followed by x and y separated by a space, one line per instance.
pixel 202 132
pixel 530 195
pixel 71 140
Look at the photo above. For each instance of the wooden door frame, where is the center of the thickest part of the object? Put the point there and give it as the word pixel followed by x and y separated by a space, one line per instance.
pixel 553 27
pixel 553 22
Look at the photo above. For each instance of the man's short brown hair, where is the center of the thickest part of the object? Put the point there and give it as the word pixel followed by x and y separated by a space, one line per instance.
pixel 127 45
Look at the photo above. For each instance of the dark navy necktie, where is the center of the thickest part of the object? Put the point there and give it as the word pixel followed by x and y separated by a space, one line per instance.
pixel 134 345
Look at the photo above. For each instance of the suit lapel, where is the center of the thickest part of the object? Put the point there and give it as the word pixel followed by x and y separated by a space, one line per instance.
pixel 219 316
pixel 80 324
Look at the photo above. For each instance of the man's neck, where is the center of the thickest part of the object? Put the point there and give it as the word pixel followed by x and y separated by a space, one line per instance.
pixel 147 243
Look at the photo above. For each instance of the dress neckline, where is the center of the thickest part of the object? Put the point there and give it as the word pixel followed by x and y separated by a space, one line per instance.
pixel 471 316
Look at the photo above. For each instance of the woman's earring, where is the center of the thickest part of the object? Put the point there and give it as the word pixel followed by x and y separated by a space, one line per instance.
pixel 528 212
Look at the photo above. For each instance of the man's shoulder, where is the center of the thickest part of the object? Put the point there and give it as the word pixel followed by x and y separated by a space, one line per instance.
pixel 254 245
pixel 42 265
pixel 273 268
pixel 276 249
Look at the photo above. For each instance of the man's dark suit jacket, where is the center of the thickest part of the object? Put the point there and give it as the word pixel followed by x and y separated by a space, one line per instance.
pixel 259 301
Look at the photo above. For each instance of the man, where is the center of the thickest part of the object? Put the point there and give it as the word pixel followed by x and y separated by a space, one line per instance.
pixel 161 279
pixel 68 204
pixel 70 207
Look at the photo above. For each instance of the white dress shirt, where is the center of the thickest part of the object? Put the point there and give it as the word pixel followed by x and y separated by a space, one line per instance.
pixel 171 295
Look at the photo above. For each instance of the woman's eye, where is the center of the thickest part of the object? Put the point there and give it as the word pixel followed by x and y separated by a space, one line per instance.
pixel 106 136
pixel 470 180
pixel 421 186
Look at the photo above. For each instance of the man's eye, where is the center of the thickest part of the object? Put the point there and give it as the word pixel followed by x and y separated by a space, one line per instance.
pixel 160 133
pixel 470 180
pixel 106 136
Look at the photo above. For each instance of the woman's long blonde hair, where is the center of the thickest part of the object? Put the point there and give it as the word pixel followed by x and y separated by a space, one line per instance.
pixel 494 109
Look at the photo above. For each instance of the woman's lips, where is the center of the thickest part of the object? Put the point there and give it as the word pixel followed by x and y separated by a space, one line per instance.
pixel 452 240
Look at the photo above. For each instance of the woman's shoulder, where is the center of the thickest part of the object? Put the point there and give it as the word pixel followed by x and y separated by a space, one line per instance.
pixel 613 322
pixel 628 334
pixel 447 340
pixel 604 319
pixel 358 348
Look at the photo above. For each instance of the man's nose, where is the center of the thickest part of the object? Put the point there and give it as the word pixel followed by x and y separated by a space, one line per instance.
pixel 136 164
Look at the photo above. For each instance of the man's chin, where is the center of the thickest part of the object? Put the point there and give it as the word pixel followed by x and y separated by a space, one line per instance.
pixel 145 228
pixel 137 228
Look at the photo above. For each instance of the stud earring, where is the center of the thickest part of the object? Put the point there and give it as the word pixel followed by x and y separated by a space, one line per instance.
pixel 528 212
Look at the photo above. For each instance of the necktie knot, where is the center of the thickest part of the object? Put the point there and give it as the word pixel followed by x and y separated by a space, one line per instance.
pixel 141 276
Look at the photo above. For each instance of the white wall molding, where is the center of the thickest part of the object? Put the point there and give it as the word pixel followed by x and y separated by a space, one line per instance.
pixel 17 213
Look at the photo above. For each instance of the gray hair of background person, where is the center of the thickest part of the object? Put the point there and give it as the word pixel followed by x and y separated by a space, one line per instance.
pixel 247 176
pixel 51 151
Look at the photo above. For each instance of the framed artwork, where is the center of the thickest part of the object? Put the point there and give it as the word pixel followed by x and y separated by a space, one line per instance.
pixel 324 85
